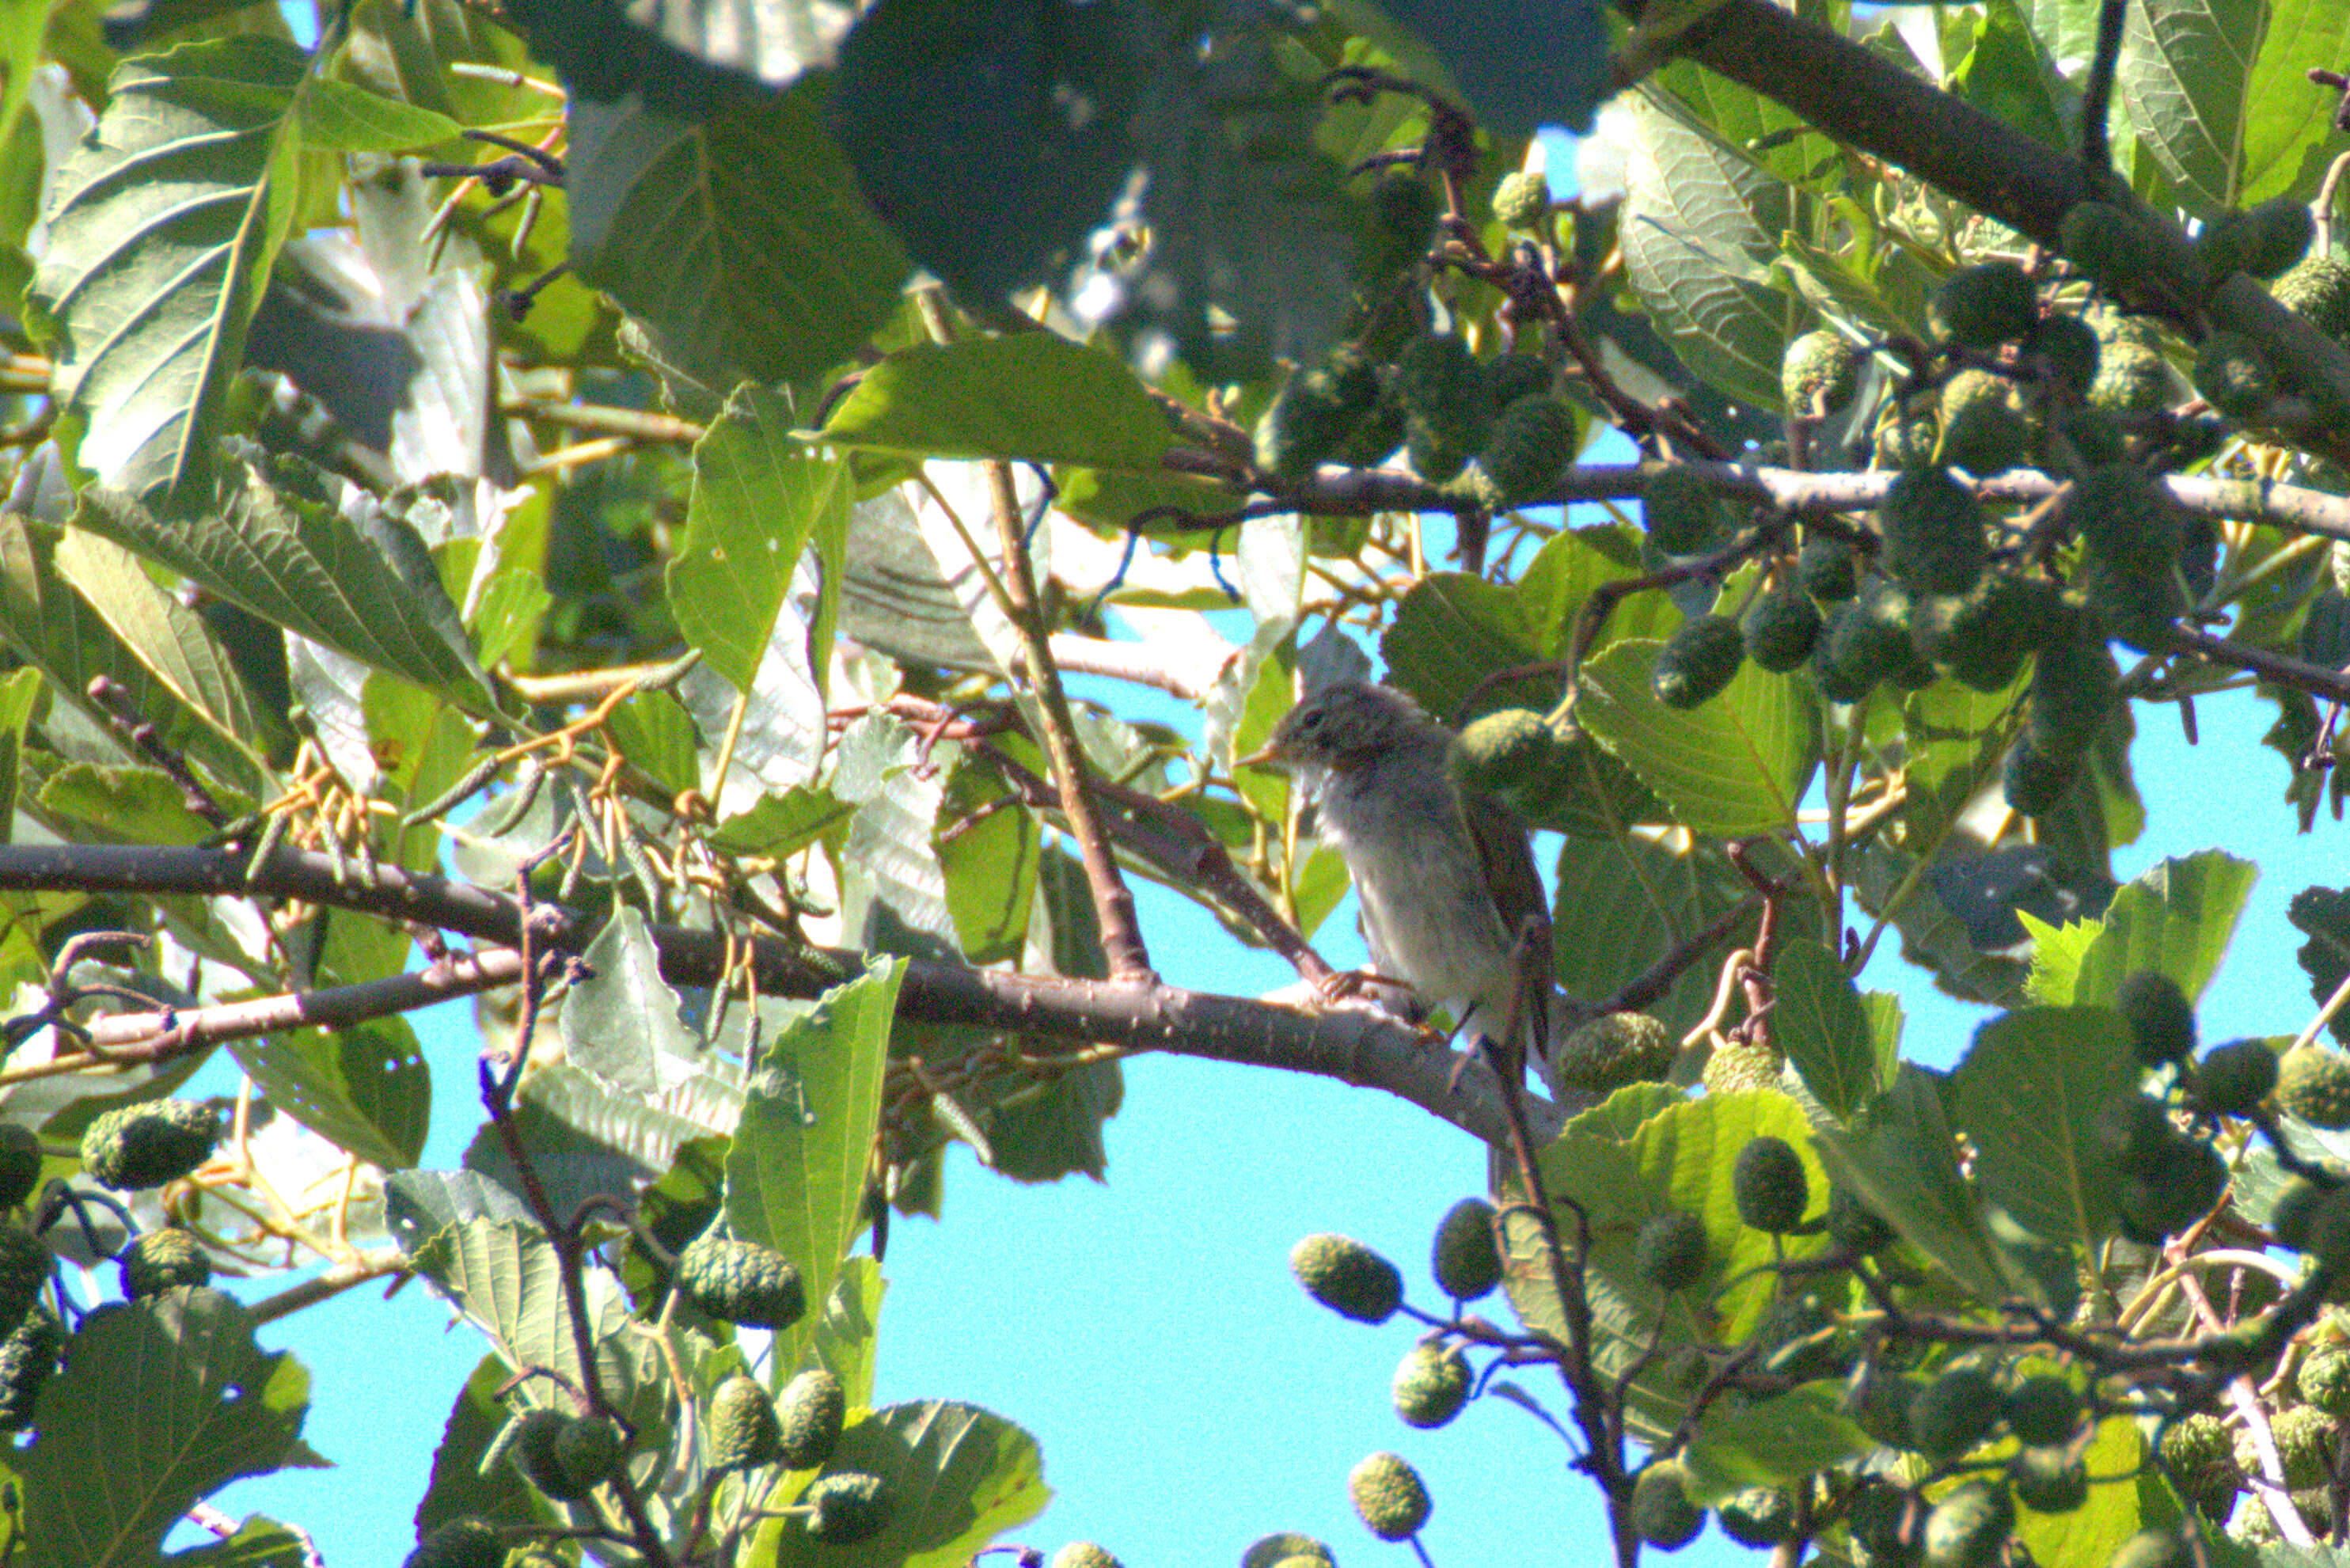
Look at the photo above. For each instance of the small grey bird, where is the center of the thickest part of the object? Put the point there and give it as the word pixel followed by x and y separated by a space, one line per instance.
pixel 1452 902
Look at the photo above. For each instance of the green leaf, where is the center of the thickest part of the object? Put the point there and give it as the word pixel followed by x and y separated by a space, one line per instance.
pixel 1698 232
pixel 163 226
pixel 1822 1026
pixel 210 1407
pixel 365 1088
pixel 299 562
pixel 1932 936
pixel 1735 766
pixel 758 497
pixel 1453 629
pixel 2288 130
pixel 1770 1441
pixel 2007 75
pixel 1028 396
pixel 621 1023
pixel 504 1276
pixel 2177 917
pixel 52 628
pixel 653 730
pixel 20 695
pixel 1620 905
pixel 1900 1160
pixel 166 635
pixel 338 117
pixel 738 239
pixel 125 805
pixel 796 1174
pixel 960 1477
pixel 2027 1093
pixel 458 1487
pixel 2186 78
pixel 847 1335
pixel 2090 1535
pixel 1522 64
pixel 782 825
pixel 258 1544
pixel 990 863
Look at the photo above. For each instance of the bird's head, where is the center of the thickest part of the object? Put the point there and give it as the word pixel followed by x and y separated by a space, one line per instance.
pixel 1344 727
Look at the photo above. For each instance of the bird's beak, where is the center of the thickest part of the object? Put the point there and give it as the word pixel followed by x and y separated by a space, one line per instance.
pixel 1266 756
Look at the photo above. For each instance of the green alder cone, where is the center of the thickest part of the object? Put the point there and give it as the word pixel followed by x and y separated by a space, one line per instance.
pixel 1782 628
pixel 1759 1516
pixel 137 1147
pixel 2095 434
pixel 2042 1411
pixel 1534 440
pixel 1611 1051
pixel 1969 1528
pixel 1505 752
pixel 2266 241
pixel 1827 569
pixel 1467 1260
pixel 1285 1547
pixel 2233 375
pixel 2304 1441
pixel 1854 677
pixel 1933 531
pixel 1522 201
pixel 24 1265
pixel 1981 639
pixel 1510 376
pixel 537 1435
pixel 588 1451
pixel 1769 1186
pixel 1698 662
pixel 1669 1251
pixel 1983 306
pixel 743 1429
pixel 1682 514
pixel 809 1414
pixel 162 1259
pixel 20 1163
pixel 847 1507
pixel 1448 408
pixel 1872 640
pixel 1084 1555
pixel 460 1544
pixel 2123 516
pixel 2233 1079
pixel 1430 1385
pixel 1984 429
pixel 2155 1548
pixel 2318 290
pixel 1908 441
pixel 28 1356
pixel 741 1282
pixel 1662 1514
pixel 2314 1084
pixel 1347 1277
pixel 2107 244
pixel 1802 1340
pixel 1880 1407
pixel 2200 1452
pixel 2070 350
pixel 1886 1519
pixel 2131 380
pixel 2185 1181
pixel 2048 1480
pixel 2295 1211
pixel 1315 412
pixel 2324 1380
pixel 2033 783
pixel 2161 1020
pixel 2131 606
pixel 1818 373
pixel 1388 1497
pixel 2075 686
pixel 1954 1412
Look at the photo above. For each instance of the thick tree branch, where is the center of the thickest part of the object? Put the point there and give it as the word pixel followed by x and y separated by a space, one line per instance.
pixel 1353 491
pixel 1353 1045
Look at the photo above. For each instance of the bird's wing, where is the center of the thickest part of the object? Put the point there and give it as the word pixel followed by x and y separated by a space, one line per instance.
pixel 1507 851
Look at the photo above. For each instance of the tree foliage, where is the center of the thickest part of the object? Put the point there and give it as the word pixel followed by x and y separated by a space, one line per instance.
pixel 664 519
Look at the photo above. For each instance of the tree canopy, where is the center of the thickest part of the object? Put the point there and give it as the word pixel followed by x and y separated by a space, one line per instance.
pixel 682 523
